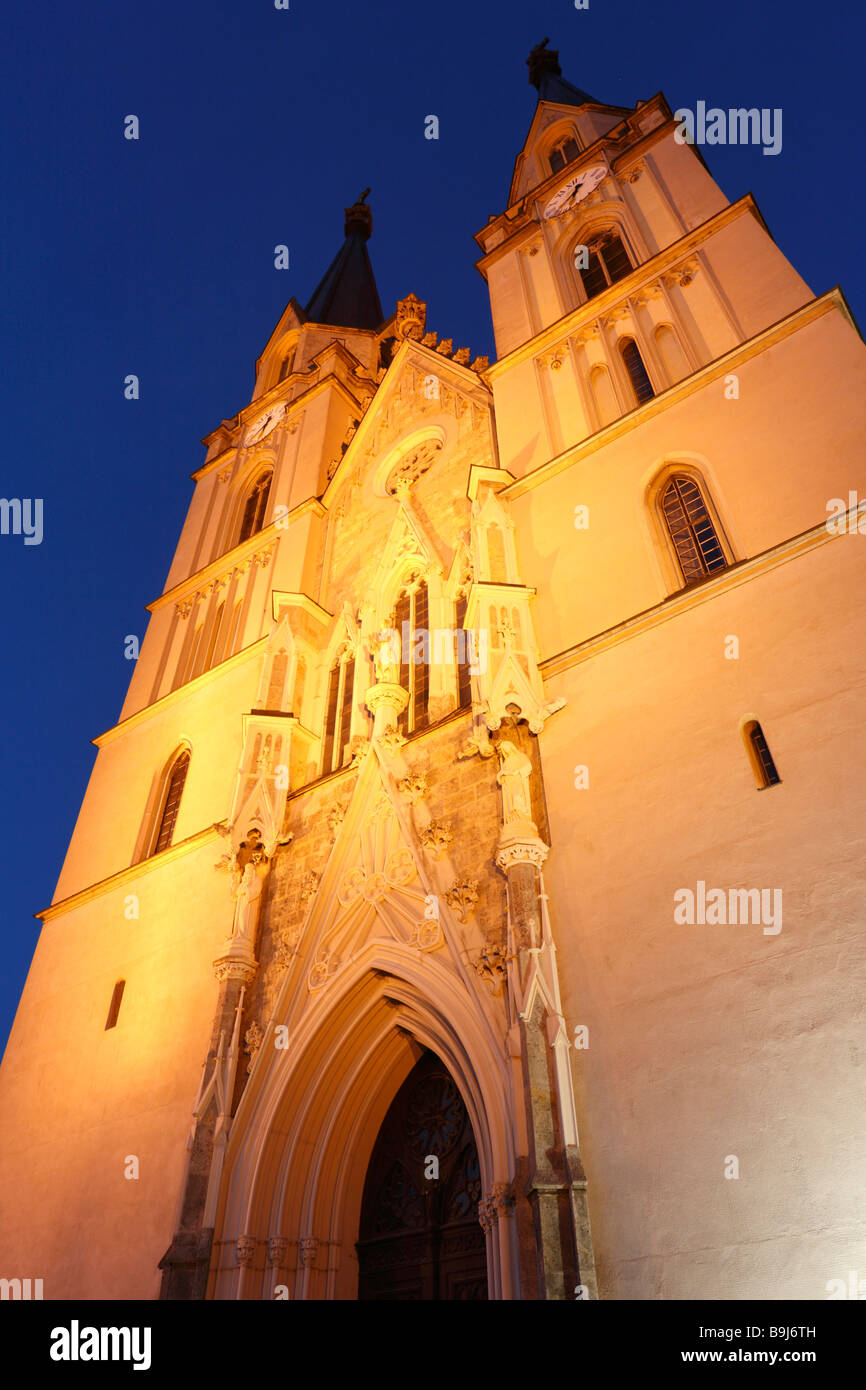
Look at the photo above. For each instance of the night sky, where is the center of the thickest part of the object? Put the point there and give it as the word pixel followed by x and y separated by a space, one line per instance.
pixel 156 257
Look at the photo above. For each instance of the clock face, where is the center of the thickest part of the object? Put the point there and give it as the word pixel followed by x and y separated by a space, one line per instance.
pixel 262 427
pixel 575 190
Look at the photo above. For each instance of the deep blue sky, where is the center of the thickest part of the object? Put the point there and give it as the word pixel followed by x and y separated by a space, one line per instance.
pixel 258 127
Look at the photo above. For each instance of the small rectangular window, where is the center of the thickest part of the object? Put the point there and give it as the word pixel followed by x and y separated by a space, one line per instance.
pixel 114 1009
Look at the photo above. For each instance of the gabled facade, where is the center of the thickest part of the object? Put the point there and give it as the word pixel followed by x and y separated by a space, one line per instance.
pixel 464 677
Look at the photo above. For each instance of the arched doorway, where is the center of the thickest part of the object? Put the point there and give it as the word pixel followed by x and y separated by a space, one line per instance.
pixel 420 1237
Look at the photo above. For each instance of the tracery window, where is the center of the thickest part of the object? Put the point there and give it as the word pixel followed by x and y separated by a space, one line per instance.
pixel 412 611
pixel 692 531
pixel 464 678
pixel 338 711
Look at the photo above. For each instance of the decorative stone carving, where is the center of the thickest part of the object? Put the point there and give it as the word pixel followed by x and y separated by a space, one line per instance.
pixel 225 473
pixel 480 364
pixel 683 275
pixel 462 356
pixel 231 968
pixel 446 347
pixel 436 837
pixel 278 1251
pixel 633 174
pixel 336 816
pixel 392 741
pixel 462 897
pixel 286 949
pixel 184 607
pixel 309 1248
pixel 253 1039
pixel 358 749
pixel 529 851
pixel 491 967
pixel 245 1249
pixel 429 340
pixel 411 317
pixel 324 966
pixel 414 787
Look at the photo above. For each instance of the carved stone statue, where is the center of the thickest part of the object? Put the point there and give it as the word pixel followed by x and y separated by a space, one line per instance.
pixel 513 778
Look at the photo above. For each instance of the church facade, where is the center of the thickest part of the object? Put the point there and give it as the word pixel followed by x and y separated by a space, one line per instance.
pixel 468 903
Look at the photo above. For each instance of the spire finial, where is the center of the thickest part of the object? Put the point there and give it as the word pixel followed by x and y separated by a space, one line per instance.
pixel 359 218
pixel 542 60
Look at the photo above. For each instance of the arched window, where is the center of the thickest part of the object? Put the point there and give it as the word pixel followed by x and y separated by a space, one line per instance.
pixel 253 518
pixel 338 712
pixel 464 679
pixel 607 262
pixel 760 756
pixel 637 372
pixel 114 1007
pixel 234 630
pixel 563 153
pixel 171 803
pixel 411 610
pixel 671 353
pixel 691 529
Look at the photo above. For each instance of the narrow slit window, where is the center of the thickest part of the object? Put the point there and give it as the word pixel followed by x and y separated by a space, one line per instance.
pixel 690 526
pixel 114 1007
pixel 764 767
pixel 338 716
pixel 464 679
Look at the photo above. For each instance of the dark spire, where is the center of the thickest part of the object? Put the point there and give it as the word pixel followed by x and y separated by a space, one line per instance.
pixel 347 295
pixel 545 74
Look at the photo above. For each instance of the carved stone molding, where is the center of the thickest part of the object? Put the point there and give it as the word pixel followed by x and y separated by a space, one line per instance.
pixel 309 887
pixel 520 851
pixel 414 787
pixel 278 1251
pixel 411 317
pixel 225 473
pixel 683 275
pixel 491 967
pixel 436 837
pixel 234 967
pixel 636 172
pixel 309 1249
pixel 245 1249
pixel 462 897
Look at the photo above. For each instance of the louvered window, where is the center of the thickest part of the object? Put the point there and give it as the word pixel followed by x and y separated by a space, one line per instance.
pixel 691 529
pixel 563 154
pixel 254 510
pixel 762 758
pixel 171 804
pixel 637 372
pixel 607 262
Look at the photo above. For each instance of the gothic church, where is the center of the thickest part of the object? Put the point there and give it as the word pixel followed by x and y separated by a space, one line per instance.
pixel 366 954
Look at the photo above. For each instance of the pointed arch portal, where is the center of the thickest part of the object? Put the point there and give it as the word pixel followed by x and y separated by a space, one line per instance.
pixel 420 1236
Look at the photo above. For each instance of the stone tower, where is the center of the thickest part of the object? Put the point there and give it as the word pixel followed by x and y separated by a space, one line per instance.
pixel 428 838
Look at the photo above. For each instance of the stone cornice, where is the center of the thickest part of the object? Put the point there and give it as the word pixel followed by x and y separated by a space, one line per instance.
pixel 686 599
pixel 720 366
pixel 174 697
pixel 248 551
pixel 131 874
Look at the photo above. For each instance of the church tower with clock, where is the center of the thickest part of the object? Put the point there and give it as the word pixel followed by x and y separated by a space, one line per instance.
pixel 467 903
